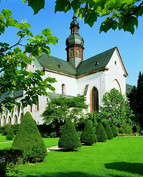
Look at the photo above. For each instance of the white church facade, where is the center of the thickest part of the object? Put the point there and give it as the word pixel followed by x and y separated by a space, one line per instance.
pixel 91 77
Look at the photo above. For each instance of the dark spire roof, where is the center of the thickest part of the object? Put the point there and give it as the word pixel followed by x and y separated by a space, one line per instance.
pixel 74 22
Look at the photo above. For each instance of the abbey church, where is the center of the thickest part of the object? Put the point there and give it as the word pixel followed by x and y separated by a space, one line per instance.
pixel 90 77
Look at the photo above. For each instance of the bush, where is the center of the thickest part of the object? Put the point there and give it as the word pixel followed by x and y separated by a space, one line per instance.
pixel 2 130
pixel 8 160
pixel 88 136
pixel 29 140
pixel 125 128
pixel 101 133
pixel 109 132
pixel 115 130
pixel 69 139
pixel 10 134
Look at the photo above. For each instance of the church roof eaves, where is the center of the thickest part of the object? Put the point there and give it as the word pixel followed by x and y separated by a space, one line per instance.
pixel 55 64
pixel 95 63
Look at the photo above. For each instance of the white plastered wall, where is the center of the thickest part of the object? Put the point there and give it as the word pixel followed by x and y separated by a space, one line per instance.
pixel 114 77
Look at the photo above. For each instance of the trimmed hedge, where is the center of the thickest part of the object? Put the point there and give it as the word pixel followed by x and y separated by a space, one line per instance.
pixel 101 133
pixel 69 139
pixel 115 130
pixel 9 158
pixel 109 132
pixel 10 134
pixel 88 136
pixel 29 140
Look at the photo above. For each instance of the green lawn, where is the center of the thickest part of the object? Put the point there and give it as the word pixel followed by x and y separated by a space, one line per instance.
pixel 120 157
pixel 3 139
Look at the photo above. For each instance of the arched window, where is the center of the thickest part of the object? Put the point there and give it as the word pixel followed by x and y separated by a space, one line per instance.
pixel 9 120
pixel 15 119
pixel 71 52
pixel 94 100
pixel 4 121
pixel 63 89
pixel 77 53
pixel 116 85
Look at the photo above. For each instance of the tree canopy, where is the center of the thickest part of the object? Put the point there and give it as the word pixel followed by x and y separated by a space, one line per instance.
pixel 60 109
pixel 116 109
pixel 115 13
pixel 13 61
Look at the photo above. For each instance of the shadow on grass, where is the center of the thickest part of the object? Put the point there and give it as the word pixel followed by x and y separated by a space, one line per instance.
pixel 135 168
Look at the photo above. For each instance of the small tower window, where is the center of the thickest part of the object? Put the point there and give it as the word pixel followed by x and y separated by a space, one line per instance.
pixel 72 53
pixel 77 53
pixel 63 89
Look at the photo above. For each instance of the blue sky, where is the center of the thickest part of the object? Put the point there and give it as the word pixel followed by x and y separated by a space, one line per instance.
pixel 130 46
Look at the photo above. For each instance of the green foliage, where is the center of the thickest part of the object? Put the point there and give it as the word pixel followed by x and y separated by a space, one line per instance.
pixel 125 128
pixel 62 108
pixel 109 132
pixel 8 161
pixel 88 135
pixel 115 130
pixel 136 100
pixel 115 14
pixel 101 133
pixel 29 140
pixel 69 139
pixel 116 109
pixel 13 61
pixel 10 134
pixel 7 127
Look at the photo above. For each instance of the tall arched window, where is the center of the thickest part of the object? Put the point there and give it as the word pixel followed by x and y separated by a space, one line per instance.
pixel 37 105
pixel 9 120
pixel 71 52
pixel 77 53
pixel 94 100
pixel 4 121
pixel 63 89
pixel 15 119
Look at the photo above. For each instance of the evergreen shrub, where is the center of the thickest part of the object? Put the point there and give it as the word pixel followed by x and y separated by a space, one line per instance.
pixel 69 139
pixel 29 140
pixel 10 134
pixel 125 128
pixel 115 130
pixel 109 132
pixel 88 136
pixel 101 133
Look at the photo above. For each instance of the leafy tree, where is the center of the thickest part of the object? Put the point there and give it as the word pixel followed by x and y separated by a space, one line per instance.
pixel 116 109
pixel 140 94
pixel 69 139
pixel 62 108
pixel 136 100
pixel 13 61
pixel 29 140
pixel 88 135
pixel 109 132
pixel 115 13
pixel 10 134
pixel 114 130
pixel 101 133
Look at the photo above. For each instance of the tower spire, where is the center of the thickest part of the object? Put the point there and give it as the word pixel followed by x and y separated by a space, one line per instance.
pixel 74 44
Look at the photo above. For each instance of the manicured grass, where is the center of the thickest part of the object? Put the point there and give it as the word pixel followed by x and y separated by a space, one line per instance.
pixel 49 142
pixel 120 157
pixel 3 139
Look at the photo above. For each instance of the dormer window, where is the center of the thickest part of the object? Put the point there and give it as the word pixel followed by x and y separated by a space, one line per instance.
pixel 96 63
pixel 59 66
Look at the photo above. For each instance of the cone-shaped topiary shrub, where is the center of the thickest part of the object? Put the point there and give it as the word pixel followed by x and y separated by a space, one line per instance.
pixel 101 133
pixel 109 132
pixel 88 136
pixel 115 130
pixel 69 139
pixel 29 140
pixel 10 134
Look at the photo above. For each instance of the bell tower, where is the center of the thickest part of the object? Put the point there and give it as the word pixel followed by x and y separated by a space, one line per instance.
pixel 74 44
